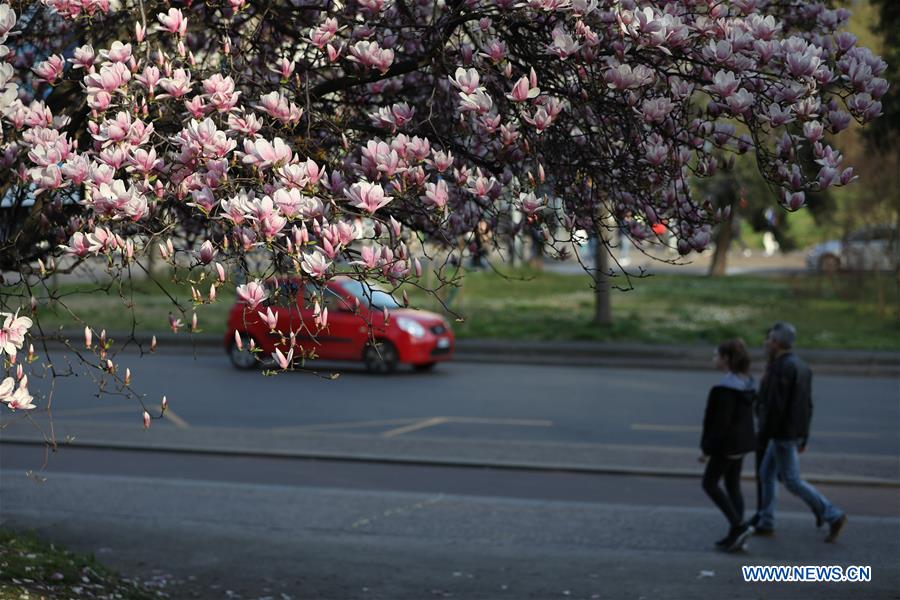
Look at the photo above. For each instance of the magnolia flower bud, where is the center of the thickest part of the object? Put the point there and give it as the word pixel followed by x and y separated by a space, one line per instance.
pixel 153 344
pixel 127 376
pixel 146 418
pixel 164 404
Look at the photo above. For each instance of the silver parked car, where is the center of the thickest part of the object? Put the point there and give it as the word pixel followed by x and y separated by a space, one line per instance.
pixel 872 248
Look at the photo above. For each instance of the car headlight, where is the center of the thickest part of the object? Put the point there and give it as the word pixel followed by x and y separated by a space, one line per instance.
pixel 411 327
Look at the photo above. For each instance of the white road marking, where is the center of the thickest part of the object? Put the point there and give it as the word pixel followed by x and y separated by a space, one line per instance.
pixel 176 420
pixel 471 420
pixel 342 425
pixel 415 426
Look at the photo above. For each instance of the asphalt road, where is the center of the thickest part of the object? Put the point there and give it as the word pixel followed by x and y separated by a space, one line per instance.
pixel 464 401
pixel 204 525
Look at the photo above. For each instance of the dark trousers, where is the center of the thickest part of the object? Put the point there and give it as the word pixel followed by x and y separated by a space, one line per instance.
pixel 761 445
pixel 730 501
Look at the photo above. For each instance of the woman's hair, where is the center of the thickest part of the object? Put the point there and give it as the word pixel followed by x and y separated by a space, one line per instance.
pixel 734 353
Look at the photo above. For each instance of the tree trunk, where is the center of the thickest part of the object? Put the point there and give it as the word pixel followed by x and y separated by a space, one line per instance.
pixel 723 242
pixel 603 301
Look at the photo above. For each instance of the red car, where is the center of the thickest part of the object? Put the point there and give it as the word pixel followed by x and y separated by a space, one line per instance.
pixel 356 328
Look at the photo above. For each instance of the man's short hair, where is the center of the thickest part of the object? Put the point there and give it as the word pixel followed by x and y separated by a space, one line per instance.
pixel 783 334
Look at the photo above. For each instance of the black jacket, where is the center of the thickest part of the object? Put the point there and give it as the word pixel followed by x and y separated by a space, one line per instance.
pixel 728 422
pixel 785 400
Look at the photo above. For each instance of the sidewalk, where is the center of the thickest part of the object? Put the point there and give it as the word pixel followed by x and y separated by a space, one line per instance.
pixel 756 263
pixel 625 459
pixel 584 354
pixel 215 540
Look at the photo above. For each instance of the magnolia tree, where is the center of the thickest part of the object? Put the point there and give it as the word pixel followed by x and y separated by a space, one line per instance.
pixel 245 139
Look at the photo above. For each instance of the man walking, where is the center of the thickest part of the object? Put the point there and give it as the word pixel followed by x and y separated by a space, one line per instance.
pixel 785 410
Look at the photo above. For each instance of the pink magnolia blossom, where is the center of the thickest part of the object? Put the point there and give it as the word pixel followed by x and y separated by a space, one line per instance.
pixel 117 52
pixel 276 105
pixel 177 85
pixel 12 333
pixel 253 293
pixel 283 361
pixel 51 69
pixel 83 57
pixel 265 155
pixel 367 196
pixel 207 252
pixel 172 22
pixel 269 318
pixel 370 54
pixel 437 194
pixel 315 264
pixel 523 91
pixel 467 80
pixel 21 399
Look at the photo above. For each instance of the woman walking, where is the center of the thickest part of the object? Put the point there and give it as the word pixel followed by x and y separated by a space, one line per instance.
pixel 727 436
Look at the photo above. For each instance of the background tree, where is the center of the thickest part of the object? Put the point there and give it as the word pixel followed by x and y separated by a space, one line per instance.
pixel 245 139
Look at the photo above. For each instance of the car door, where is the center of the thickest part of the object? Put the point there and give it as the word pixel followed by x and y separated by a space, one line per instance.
pixel 338 339
pixel 346 329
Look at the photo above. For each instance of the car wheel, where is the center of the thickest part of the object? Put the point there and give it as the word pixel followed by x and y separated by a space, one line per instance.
pixel 829 264
pixel 424 367
pixel 380 357
pixel 242 359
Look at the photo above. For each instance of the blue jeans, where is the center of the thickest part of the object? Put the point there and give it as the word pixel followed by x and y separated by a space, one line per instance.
pixel 782 461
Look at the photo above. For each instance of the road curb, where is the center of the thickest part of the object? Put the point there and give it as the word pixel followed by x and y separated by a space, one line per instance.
pixel 535 466
pixel 578 354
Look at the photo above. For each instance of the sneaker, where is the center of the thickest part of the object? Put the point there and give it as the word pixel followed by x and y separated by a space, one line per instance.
pixel 739 537
pixel 723 543
pixel 834 529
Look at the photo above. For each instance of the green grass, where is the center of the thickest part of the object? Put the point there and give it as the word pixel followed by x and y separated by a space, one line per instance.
pixel 845 312
pixel 848 311
pixel 32 569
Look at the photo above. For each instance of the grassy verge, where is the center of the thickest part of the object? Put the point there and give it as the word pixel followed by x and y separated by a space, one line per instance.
pixel 33 569
pixel 846 311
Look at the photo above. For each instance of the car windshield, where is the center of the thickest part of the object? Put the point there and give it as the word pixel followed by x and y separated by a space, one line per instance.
pixel 370 295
